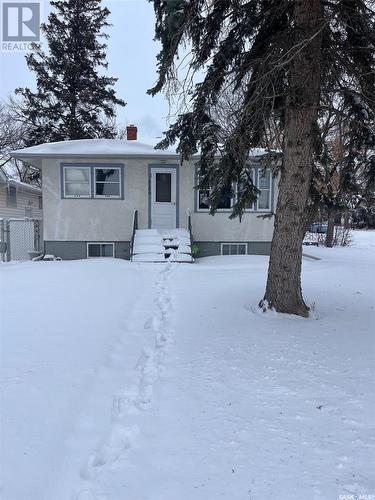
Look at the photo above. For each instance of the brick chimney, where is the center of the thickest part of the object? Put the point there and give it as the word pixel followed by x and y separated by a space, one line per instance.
pixel 131 132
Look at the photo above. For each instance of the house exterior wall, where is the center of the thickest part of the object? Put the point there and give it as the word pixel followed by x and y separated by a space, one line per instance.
pixel 25 200
pixel 70 223
pixel 94 219
pixel 219 228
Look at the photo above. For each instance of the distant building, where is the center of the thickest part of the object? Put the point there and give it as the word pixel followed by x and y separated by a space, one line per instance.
pixel 19 200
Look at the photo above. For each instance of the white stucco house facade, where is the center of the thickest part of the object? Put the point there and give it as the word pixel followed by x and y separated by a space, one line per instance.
pixel 92 188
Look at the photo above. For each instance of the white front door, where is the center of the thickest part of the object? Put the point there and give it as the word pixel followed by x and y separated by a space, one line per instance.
pixel 163 198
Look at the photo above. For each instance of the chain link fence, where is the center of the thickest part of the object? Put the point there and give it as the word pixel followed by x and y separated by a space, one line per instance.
pixel 18 237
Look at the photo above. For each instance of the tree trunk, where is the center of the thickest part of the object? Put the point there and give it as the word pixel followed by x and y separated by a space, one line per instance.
pixel 283 291
pixel 330 228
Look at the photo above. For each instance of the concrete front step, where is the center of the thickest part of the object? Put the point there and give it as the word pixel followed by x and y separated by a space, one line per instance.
pixel 154 257
pixel 176 242
pixel 153 245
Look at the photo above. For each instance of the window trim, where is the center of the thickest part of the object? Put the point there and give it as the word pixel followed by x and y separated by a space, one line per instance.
pixel 103 196
pixel 100 243
pixel 233 243
pixel 199 209
pixel 154 187
pixel 76 197
pixel 270 191
pixel 256 170
pixel 92 166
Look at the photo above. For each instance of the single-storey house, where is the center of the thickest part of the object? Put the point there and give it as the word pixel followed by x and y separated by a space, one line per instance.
pixel 123 198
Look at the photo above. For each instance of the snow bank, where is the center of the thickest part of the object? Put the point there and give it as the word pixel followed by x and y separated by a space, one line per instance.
pixel 163 382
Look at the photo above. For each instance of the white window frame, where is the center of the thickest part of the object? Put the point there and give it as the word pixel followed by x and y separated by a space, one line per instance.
pixel 100 243
pixel 76 196
pixel 256 173
pixel 199 209
pixel 255 182
pixel 104 196
pixel 268 170
pixel 234 243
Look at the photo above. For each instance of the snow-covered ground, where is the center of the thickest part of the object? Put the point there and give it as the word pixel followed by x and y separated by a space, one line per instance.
pixel 134 381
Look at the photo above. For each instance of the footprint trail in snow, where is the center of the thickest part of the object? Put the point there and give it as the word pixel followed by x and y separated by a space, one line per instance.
pixel 125 406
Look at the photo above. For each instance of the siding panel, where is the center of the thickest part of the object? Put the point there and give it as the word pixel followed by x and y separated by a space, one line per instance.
pixel 25 199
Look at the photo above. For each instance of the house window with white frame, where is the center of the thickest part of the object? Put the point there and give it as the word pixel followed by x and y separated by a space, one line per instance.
pixel 100 250
pixel 77 182
pixel 262 179
pixel 264 185
pixel 107 182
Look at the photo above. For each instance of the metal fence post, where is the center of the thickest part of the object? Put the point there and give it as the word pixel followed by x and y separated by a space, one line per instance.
pixel 2 240
pixel 7 232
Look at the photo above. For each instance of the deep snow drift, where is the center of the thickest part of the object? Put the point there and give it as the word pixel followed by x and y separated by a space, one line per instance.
pixel 134 381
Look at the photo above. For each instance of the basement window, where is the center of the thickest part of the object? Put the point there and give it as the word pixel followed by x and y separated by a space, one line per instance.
pixel 233 248
pixel 100 250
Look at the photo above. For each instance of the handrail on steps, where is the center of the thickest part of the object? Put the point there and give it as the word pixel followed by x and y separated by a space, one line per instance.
pixel 135 227
pixel 189 225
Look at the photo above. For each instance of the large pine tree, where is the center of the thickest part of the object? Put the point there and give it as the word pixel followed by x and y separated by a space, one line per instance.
pixel 293 56
pixel 74 98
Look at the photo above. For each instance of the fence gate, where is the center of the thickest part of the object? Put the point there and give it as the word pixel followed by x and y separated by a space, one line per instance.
pixel 18 237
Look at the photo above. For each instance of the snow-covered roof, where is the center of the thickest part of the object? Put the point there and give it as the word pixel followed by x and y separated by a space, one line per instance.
pixel 94 147
pixel 109 148
pixel 25 186
pixel 5 178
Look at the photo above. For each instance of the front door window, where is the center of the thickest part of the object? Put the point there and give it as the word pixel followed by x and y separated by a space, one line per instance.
pixel 163 187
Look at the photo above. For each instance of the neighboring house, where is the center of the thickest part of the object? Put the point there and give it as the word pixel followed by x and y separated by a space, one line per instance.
pixel 92 187
pixel 18 199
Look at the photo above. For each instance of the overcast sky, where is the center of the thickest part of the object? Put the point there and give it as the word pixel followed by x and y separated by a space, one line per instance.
pixel 131 56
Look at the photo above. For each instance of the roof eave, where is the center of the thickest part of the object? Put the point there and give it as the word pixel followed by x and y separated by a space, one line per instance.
pixel 36 159
pixel 25 187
